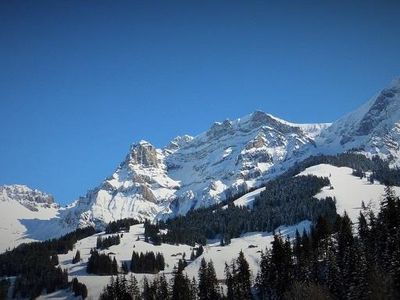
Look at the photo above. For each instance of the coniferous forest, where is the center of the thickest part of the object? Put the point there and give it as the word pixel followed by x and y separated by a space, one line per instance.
pixel 101 264
pixel 104 243
pixel 35 264
pixel 335 260
pixel 147 262
pixel 287 200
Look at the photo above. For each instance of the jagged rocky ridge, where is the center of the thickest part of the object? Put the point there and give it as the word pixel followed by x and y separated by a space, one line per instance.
pixel 31 199
pixel 192 172
pixel 229 158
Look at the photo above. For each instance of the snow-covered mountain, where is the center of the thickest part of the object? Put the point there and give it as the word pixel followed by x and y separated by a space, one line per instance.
pixel 232 157
pixel 373 129
pixel 191 172
pixel 31 199
pixel 229 158
pixel 25 215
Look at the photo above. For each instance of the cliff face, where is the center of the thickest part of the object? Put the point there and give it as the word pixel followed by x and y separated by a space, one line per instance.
pixel 191 172
pixel 373 129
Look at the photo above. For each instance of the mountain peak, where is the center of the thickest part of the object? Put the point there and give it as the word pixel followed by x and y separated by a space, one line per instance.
pixel 373 128
pixel 178 142
pixel 28 197
pixel 143 153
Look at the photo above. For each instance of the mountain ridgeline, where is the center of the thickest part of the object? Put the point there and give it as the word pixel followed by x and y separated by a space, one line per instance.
pixel 198 189
pixel 230 158
pixel 286 200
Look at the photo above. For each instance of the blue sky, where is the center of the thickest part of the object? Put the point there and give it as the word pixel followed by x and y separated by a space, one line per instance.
pixel 82 80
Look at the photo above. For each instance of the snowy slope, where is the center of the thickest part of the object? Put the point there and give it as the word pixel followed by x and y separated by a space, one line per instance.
pixel 232 157
pixel 25 215
pixel 229 158
pixel 247 199
pixel 191 172
pixel 172 253
pixel 348 190
pixel 374 128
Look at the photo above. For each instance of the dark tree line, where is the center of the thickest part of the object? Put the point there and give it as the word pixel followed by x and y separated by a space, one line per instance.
pixel 151 233
pixel 381 171
pixel 120 225
pixel 287 200
pixel 332 262
pixel 35 264
pixel 101 264
pixel 147 262
pixel 104 243
pixel 181 287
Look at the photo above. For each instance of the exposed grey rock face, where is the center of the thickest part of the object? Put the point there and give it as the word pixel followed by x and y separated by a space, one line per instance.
pixel 231 157
pixel 26 196
pixel 379 111
pixel 372 129
pixel 191 172
pixel 143 153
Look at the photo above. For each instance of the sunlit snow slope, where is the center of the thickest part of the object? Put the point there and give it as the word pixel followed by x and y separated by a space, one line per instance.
pixel 251 244
pixel 348 190
pixel 25 216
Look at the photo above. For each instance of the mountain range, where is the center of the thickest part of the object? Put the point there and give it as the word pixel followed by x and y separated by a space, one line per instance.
pixel 230 158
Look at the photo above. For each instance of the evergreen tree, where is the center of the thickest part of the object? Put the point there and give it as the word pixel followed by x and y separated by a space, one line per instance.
pixel 181 284
pixel 133 288
pixel 242 278
pixel 208 283
pixel 77 257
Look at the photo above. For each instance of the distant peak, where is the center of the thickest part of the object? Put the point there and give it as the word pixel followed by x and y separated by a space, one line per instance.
pixel 218 129
pixel 178 142
pixel 22 193
pixel 143 153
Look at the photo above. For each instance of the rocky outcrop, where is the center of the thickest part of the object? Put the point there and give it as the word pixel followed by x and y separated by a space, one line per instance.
pixel 233 156
pixel 30 198
pixel 143 154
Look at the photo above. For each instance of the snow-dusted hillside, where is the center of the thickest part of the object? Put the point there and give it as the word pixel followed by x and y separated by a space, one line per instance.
pixel 349 191
pixel 192 172
pixel 25 216
pixel 251 244
pixel 374 128
pixel 229 158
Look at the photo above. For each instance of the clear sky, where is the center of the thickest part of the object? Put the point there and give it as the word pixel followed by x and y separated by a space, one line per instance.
pixel 82 80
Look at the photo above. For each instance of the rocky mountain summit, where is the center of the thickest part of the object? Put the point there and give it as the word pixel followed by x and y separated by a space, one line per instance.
pixel 191 172
pixel 231 157
pixel 30 198
pixel 373 129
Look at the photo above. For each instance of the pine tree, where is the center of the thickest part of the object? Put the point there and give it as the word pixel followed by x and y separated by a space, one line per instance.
pixel 133 288
pixel 242 279
pixel 163 290
pixel 203 288
pixel 77 257
pixel 54 260
pixel 229 282
pixel 212 282
pixel 181 284
pixel 194 289
pixel 199 251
